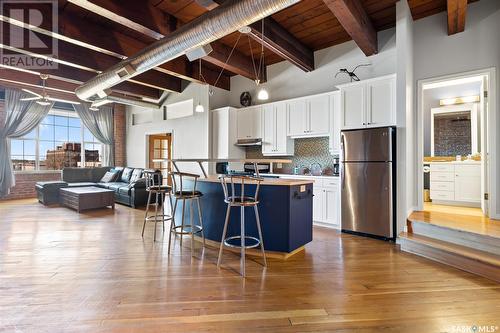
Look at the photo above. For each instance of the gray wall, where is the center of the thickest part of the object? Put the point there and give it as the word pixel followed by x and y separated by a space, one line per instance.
pixel 478 47
pixel 287 81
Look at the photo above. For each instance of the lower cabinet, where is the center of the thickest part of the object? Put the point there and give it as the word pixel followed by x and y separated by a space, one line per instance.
pixel 326 202
pixel 458 184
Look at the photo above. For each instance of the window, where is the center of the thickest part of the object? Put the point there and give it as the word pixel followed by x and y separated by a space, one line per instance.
pixel 60 141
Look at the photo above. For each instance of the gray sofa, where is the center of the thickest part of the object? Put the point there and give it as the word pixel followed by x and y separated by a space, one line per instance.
pixel 129 188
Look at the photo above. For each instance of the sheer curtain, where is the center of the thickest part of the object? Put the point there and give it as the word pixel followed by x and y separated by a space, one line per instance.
pixel 100 124
pixel 21 118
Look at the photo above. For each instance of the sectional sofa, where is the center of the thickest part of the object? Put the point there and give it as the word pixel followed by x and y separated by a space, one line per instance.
pixel 129 186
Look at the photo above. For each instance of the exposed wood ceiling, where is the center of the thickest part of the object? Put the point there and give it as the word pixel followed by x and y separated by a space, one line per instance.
pixel 93 35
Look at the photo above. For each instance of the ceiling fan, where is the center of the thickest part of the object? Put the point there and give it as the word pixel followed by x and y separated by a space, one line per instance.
pixel 43 99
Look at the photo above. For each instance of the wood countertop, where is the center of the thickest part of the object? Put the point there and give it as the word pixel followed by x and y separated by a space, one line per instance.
pixel 266 181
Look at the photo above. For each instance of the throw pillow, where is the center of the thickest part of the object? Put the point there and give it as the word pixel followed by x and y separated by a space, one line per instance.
pixel 109 177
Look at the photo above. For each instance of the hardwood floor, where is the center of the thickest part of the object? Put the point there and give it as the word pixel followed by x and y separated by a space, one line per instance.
pixel 461 218
pixel 66 272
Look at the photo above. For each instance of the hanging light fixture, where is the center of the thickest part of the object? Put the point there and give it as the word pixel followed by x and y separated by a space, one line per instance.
pixel 263 94
pixel 199 108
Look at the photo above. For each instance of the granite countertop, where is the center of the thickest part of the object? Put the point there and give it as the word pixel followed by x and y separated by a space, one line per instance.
pixel 455 162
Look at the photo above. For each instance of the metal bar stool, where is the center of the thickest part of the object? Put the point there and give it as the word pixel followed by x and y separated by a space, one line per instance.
pixel 241 200
pixel 154 187
pixel 181 192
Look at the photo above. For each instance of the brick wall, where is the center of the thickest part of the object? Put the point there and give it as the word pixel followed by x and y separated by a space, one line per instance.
pixel 120 128
pixel 25 184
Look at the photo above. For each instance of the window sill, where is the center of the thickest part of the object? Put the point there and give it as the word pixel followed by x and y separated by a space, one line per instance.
pixel 37 172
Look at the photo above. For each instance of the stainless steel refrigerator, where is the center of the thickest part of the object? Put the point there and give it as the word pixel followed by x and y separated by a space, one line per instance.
pixel 368 181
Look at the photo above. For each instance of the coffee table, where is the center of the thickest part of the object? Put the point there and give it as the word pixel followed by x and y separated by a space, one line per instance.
pixel 83 198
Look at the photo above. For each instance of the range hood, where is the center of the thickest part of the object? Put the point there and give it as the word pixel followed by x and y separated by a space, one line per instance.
pixel 248 142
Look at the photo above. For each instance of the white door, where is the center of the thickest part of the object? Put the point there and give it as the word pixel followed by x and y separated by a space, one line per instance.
pixel 468 183
pixel 483 145
pixel 353 106
pixel 268 137
pixel 381 102
pixel 297 118
pixel 244 124
pixel 281 139
pixel 319 114
pixel 318 204
pixel 332 205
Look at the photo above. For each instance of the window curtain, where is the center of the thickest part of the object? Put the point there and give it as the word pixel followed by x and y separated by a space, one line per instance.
pixel 21 118
pixel 100 124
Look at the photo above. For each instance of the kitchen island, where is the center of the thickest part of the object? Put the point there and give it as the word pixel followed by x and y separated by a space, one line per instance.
pixel 286 208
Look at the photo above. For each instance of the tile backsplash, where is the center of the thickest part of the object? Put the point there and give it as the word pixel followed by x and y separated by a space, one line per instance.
pixel 307 151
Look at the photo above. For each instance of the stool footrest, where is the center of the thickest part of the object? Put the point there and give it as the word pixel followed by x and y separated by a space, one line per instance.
pixel 188 229
pixel 228 244
pixel 158 218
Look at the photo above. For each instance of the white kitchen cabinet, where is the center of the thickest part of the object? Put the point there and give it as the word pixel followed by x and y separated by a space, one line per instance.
pixel 353 106
pixel 319 115
pixel 381 102
pixel 318 204
pixel 332 205
pixel 249 123
pixel 335 119
pixel 224 123
pixel 369 103
pixel 275 140
pixel 297 118
pixel 309 116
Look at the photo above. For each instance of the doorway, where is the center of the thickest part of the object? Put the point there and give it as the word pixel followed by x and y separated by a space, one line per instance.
pixel 456 145
pixel 160 147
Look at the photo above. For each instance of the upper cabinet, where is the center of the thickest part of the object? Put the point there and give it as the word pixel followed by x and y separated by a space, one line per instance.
pixel 249 123
pixel 275 141
pixel 369 103
pixel 224 122
pixel 335 120
pixel 309 116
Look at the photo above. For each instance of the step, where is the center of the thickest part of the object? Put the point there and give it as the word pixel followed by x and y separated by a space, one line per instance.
pixel 477 241
pixel 471 260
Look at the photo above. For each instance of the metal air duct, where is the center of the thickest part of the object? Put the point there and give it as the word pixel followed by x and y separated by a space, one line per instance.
pixel 211 26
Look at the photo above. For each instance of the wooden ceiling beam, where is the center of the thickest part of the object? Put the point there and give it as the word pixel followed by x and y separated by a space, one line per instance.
pixel 146 84
pixel 457 11
pixel 281 42
pixel 276 39
pixel 354 19
pixel 55 88
pixel 156 24
pixel 76 30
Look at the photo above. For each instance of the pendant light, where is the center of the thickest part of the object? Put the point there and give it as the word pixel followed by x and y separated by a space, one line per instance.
pixel 263 94
pixel 199 108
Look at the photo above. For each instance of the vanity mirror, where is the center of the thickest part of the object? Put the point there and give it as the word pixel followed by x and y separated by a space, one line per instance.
pixel 455 130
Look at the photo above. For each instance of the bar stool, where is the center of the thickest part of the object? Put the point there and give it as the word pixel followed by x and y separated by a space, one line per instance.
pixel 186 194
pixel 154 187
pixel 241 200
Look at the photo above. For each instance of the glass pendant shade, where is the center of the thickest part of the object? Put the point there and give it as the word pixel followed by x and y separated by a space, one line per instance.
pixel 263 95
pixel 199 108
